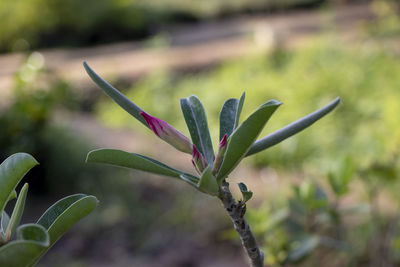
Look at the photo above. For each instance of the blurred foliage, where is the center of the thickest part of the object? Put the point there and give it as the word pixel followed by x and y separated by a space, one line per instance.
pixel 26 126
pixel 387 21
pixel 321 218
pixel 134 208
pixel 26 23
pixel 365 76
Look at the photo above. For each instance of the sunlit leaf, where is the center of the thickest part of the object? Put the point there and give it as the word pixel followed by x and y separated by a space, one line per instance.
pixel 196 121
pixel 115 95
pixel 292 129
pixel 244 136
pixel 135 161
pixel 239 109
pixel 229 116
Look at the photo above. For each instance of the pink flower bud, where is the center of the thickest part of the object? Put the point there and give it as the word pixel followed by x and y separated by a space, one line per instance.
pixel 168 133
pixel 198 160
pixel 223 143
pixel 220 154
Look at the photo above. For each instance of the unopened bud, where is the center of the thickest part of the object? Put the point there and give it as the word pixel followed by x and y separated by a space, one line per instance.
pixel 168 133
pixel 198 160
pixel 220 154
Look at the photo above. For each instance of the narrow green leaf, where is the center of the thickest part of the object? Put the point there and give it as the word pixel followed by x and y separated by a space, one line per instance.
pixel 196 121
pixel 239 109
pixel 32 241
pixel 245 193
pixel 5 220
pixel 134 161
pixel 12 170
pixel 118 98
pixel 292 128
pixel 208 182
pixel 244 136
pixel 17 212
pixel 227 117
pixel 189 179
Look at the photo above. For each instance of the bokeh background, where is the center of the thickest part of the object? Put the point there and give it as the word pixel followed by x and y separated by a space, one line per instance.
pixel 326 197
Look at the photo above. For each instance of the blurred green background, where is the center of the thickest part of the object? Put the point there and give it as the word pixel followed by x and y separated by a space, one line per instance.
pixel 325 197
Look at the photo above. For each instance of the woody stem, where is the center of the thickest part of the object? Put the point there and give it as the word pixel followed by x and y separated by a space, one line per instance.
pixel 236 211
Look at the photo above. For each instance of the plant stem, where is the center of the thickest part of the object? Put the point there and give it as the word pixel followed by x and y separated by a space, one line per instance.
pixel 236 211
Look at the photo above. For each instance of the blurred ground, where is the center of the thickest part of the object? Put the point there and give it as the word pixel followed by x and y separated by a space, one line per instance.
pixel 193 47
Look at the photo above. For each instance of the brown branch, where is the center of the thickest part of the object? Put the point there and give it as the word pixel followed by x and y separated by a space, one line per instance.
pixel 236 211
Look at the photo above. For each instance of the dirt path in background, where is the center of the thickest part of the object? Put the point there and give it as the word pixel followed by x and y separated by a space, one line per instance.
pixel 192 46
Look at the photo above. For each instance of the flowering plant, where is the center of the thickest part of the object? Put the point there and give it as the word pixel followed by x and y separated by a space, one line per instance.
pixel 237 140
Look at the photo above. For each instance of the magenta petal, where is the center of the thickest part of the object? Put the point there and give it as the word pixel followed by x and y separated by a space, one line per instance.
pixel 223 141
pixel 168 133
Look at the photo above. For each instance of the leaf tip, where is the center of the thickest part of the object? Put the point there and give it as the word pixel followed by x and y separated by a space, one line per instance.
pixel 89 156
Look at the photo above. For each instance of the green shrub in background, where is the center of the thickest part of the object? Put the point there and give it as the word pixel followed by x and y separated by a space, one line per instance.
pixel 365 75
pixel 28 125
pixel 26 23
pixel 43 23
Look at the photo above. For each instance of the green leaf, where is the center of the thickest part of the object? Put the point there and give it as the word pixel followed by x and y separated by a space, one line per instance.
pixel 229 116
pixel 239 109
pixel 244 136
pixel 32 241
pixel 12 170
pixel 63 214
pixel 5 220
pixel 245 193
pixel 33 232
pixel 17 212
pixel 135 161
pixel 118 98
pixel 208 183
pixel 292 128
pixel 189 179
pixel 12 196
pixel 196 121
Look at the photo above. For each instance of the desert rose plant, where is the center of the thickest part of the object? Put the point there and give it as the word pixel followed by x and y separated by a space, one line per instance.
pixel 236 141
pixel 33 240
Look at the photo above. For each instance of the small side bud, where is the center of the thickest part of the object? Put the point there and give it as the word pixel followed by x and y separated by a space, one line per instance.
pixel 220 154
pixel 198 160
pixel 168 133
